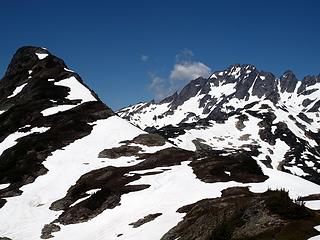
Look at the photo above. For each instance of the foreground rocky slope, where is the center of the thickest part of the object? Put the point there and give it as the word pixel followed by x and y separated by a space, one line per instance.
pixel 70 168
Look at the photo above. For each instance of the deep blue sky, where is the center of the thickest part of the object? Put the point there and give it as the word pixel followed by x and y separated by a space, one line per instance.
pixel 104 40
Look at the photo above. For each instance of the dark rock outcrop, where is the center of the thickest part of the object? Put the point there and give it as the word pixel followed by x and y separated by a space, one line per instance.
pixel 240 214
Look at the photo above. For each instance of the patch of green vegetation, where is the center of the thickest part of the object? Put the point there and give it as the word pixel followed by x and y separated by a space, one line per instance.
pixel 280 203
pixel 298 230
pixel 299 220
pixel 226 227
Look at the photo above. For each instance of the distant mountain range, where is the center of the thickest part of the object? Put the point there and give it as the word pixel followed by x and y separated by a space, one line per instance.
pixel 234 156
pixel 276 119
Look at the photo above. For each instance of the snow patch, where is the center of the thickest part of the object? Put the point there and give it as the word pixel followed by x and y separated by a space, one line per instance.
pixel 77 92
pixel 42 55
pixel 56 109
pixel 11 140
pixel 314 204
pixel 3 186
pixel 297 171
pixel 68 70
pixel 17 90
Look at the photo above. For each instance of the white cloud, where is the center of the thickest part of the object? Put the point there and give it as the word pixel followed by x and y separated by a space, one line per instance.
pixel 186 71
pixel 183 71
pixel 144 58
pixel 158 86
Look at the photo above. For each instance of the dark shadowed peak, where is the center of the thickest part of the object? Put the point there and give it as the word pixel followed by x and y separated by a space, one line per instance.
pixel 27 57
pixel 288 81
pixel 288 74
pixel 170 98
pixel 37 70
pixel 242 66
pixel 224 94
pixel 190 90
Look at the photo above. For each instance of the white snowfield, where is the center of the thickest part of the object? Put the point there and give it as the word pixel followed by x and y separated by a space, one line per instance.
pixel 77 92
pixel 24 216
pixel 169 191
pixel 149 115
pixel 224 136
pixel 227 137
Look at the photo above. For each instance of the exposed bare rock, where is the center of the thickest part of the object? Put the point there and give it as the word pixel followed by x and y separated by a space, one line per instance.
pixel 121 151
pixel 145 219
pixel 48 229
pixel 149 140
pixel 240 166
pixel 240 214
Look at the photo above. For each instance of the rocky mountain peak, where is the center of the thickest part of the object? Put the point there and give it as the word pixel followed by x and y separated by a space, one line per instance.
pixel 170 98
pixel 288 82
pixel 34 74
pixel 225 93
pixel 38 93
pixel 27 57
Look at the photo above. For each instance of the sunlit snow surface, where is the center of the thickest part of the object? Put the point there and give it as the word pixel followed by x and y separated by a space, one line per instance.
pixel 169 191
pixel 77 92
pixel 26 215
pixel 11 140
pixel 17 90
pixel 42 55
pixel 3 186
pixel 149 114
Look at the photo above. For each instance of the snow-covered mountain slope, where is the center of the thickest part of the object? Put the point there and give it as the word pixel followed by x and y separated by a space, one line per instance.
pixel 227 92
pixel 243 108
pixel 72 169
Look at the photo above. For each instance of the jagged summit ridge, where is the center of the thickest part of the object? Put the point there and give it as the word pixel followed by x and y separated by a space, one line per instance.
pixel 218 95
pixel 34 74
pixel 27 57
